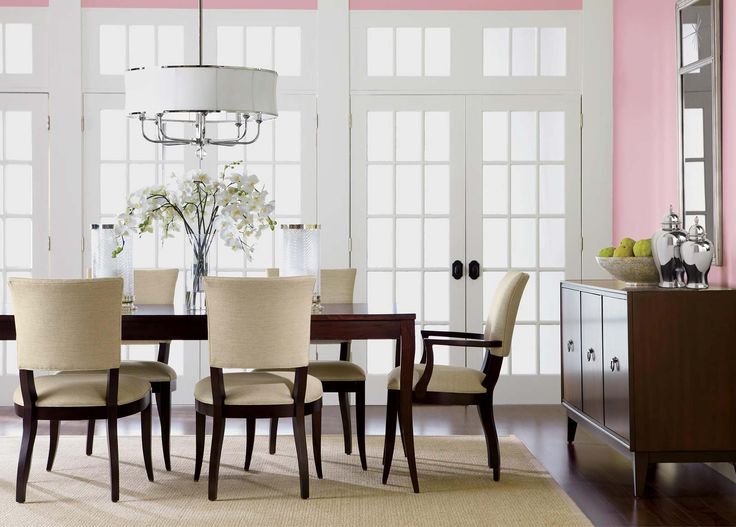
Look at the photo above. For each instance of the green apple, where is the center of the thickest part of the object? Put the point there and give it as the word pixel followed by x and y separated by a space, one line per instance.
pixel 643 248
pixel 623 252
pixel 627 242
pixel 606 252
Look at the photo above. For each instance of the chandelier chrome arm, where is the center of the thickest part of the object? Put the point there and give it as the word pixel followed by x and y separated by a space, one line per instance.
pixel 240 140
pixel 162 140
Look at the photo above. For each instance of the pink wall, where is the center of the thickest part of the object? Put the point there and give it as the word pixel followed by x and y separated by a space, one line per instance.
pixel 645 122
pixel 471 5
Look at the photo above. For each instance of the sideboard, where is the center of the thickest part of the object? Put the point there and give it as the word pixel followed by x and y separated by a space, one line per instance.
pixel 651 370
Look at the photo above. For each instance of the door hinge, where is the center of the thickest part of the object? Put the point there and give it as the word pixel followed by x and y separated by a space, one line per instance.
pixel 316 121
pixel 82 243
pixel 581 119
pixel 350 120
pixel 350 245
pixel 49 243
pixel 582 243
pixel 48 122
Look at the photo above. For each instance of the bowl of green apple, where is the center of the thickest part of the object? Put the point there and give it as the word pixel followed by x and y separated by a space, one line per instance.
pixel 630 262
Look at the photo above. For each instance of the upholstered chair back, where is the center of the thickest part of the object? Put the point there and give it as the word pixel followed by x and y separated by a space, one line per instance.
pixel 155 286
pixel 67 324
pixel 261 323
pixel 336 285
pixel 504 308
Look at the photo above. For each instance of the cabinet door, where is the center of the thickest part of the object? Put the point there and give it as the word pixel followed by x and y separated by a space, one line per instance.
pixel 616 365
pixel 592 354
pixel 571 373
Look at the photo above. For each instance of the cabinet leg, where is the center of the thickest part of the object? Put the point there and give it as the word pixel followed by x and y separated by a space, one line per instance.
pixel 640 464
pixel 572 427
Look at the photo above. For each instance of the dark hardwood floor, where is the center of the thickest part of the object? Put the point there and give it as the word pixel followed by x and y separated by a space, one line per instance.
pixel 597 477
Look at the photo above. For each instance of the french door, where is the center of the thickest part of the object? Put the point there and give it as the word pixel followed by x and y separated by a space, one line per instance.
pixel 492 180
pixel 24 227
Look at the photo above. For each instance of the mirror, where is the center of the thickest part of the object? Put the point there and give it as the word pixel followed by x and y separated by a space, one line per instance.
pixel 699 116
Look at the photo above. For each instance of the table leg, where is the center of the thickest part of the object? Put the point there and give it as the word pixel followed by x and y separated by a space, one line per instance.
pixel 405 397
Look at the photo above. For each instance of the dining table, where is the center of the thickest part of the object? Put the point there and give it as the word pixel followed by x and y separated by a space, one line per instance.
pixel 334 322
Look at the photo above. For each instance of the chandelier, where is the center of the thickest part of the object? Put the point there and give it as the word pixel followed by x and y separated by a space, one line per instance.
pixel 198 97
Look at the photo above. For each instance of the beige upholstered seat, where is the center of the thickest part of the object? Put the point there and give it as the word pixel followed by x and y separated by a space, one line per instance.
pixel 258 388
pixel 336 370
pixel 151 371
pixel 446 379
pixel 152 286
pixel 83 389
pixel 259 324
pixel 340 376
pixel 73 325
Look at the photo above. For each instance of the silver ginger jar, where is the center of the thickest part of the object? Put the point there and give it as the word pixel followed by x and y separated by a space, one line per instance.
pixel 697 256
pixel 666 244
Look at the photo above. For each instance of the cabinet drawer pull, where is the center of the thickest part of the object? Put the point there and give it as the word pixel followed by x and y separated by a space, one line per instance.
pixel 615 364
pixel 570 345
pixel 591 355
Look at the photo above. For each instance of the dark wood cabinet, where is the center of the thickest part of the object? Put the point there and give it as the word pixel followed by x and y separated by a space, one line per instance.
pixel 572 384
pixel 616 366
pixel 592 340
pixel 652 370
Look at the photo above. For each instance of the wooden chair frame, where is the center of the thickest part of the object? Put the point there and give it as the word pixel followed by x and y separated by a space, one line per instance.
pixel 420 395
pixel 343 390
pixel 220 412
pixel 162 391
pixel 31 414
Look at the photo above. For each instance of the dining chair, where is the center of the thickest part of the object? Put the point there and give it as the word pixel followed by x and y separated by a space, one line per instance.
pixel 261 324
pixel 73 325
pixel 435 384
pixel 152 286
pixel 338 376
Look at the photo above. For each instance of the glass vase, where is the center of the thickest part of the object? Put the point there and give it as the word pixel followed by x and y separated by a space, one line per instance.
pixel 300 255
pixel 105 265
pixel 197 269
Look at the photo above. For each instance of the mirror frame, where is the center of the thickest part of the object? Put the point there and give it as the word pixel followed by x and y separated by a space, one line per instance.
pixel 715 232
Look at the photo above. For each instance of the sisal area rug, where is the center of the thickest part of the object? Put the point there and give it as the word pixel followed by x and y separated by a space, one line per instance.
pixel 457 487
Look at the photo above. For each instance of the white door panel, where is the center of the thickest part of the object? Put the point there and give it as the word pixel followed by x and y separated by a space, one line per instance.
pixel 24 228
pixel 408 218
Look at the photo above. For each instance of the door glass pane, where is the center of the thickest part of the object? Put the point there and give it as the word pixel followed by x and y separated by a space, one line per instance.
pixel 553 51
pixel 523 242
pixel 380 50
pixel 495 51
pixel 408 189
pixel 437 189
pixel 523 189
pixel 523 136
pixel 408 51
pixel 524 51
pixel 437 51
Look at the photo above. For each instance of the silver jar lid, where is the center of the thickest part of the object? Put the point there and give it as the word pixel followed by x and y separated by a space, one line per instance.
pixel 671 220
pixel 696 233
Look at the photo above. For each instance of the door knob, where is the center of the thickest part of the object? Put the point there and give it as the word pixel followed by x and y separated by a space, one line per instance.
pixel 457 269
pixel 474 270
pixel 570 345
pixel 615 364
pixel 591 355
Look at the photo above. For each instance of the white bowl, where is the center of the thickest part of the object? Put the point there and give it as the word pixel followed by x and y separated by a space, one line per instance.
pixel 635 270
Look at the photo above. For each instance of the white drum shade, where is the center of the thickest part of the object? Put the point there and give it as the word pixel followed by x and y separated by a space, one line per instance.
pixel 209 89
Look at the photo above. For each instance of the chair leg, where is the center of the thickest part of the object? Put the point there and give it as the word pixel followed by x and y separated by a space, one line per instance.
pixel 200 445
pixel 250 439
pixel 53 443
pixel 112 446
pixel 90 436
pixel 146 440
pixel 401 434
pixel 272 435
pixel 300 438
pixel 485 411
pixel 163 404
pixel 344 398
pixel 360 423
pixel 30 424
pixel 218 434
pixel 392 414
pixel 317 440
